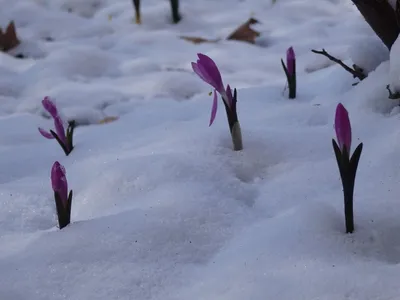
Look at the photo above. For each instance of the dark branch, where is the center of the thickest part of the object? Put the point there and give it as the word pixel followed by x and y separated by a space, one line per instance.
pixel 356 72
pixel 381 17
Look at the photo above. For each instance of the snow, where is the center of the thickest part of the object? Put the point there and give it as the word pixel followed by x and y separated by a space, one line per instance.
pixel 163 208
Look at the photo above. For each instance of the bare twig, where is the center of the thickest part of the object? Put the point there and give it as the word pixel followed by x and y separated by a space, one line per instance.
pixel 357 72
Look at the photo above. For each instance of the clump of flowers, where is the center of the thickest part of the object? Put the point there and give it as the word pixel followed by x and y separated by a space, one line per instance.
pixel 347 164
pixel 208 71
pixel 62 198
pixel 290 71
pixel 62 136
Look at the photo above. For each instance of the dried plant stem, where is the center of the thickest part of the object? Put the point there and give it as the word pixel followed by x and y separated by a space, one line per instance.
pixel 355 71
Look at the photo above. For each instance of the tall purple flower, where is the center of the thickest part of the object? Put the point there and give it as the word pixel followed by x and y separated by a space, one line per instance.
pixel 343 127
pixel 347 163
pixel 290 71
pixel 208 71
pixel 62 198
pixel 64 138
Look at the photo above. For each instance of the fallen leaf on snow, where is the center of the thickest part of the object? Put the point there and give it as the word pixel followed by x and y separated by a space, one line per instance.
pixel 245 33
pixel 8 39
pixel 108 120
pixel 198 40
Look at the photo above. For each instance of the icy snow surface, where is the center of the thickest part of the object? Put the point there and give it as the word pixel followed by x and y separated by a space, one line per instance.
pixel 163 208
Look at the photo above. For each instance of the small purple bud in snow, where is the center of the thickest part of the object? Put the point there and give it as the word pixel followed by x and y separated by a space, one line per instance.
pixel 208 71
pixel 290 61
pixel 343 127
pixel 59 182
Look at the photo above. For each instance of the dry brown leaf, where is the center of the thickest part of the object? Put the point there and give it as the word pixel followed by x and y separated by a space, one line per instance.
pixel 198 40
pixel 245 33
pixel 9 39
pixel 108 120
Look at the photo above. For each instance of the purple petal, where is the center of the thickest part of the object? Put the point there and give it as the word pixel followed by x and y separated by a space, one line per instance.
pixel 200 72
pixel 59 126
pixel 207 65
pixel 46 134
pixel 50 107
pixel 59 181
pixel 214 108
pixel 343 127
pixel 290 61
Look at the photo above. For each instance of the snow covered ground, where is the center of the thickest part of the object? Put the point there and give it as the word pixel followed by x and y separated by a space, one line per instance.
pixel 163 208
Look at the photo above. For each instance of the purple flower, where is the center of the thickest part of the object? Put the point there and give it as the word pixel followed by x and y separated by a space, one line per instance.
pixel 208 71
pixel 59 182
pixel 51 108
pixel 343 128
pixel 290 61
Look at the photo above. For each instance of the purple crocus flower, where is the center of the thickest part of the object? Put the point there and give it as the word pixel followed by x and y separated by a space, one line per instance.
pixel 62 198
pixel 343 128
pixel 347 163
pixel 51 108
pixel 59 182
pixel 290 61
pixel 208 71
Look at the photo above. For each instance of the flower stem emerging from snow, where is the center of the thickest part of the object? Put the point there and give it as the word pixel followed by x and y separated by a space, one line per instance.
pixel 208 71
pixel 64 138
pixel 347 165
pixel 356 71
pixel 290 71
pixel 62 198
pixel 136 5
pixel 234 125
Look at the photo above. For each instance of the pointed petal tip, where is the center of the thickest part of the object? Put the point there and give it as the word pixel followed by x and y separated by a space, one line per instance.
pixel 340 106
pixel 45 133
